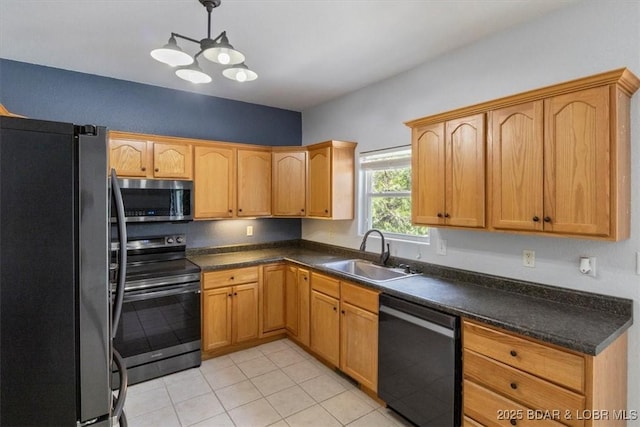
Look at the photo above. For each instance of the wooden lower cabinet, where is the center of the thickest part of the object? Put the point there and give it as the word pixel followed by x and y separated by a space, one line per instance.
pixel 344 327
pixel 359 342
pixel 514 380
pixel 273 298
pixel 325 327
pixel 229 313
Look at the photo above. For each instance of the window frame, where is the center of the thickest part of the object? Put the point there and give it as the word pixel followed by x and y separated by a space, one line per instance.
pixel 367 194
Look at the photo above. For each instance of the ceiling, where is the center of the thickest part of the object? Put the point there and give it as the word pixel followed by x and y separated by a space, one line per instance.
pixel 305 52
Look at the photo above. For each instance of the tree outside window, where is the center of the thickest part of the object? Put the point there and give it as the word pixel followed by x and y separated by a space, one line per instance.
pixel 386 201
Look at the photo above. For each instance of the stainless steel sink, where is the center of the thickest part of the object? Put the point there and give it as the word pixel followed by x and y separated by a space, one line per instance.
pixel 367 270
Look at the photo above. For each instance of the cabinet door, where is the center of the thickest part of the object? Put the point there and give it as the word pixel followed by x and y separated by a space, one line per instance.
pixel 516 167
pixel 129 157
pixel 304 291
pixel 428 166
pixel 273 298
pixel 172 160
pixel 245 310
pixel 319 196
pixel 325 327
pixel 216 318
pixel 577 163
pixel 289 183
pixel 292 299
pixel 254 183
pixel 465 152
pixel 214 182
pixel 359 345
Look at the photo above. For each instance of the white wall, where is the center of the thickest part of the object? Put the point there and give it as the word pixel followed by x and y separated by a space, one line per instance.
pixel 583 39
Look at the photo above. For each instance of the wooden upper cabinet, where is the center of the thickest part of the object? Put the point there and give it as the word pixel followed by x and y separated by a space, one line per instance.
pixel 558 161
pixel 577 163
pixel 129 157
pixel 172 161
pixel 150 156
pixel 289 183
pixel 320 182
pixel 254 183
pixel 428 164
pixel 465 171
pixel 214 181
pixel 331 180
pixel 516 181
pixel 448 173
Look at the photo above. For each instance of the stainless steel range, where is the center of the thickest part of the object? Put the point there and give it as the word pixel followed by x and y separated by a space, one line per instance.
pixel 159 332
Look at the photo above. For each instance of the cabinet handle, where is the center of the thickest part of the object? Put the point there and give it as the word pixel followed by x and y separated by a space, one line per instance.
pixel 230 210
pixel 335 308
pixel 305 278
pixel 446 215
pixel 326 211
pixel 439 215
pixel 143 169
pixel 235 294
pixel 229 295
pixel 232 278
pixel 239 210
pixel 513 421
pixel 157 170
pixel 342 311
pixel 514 385
pixel 513 353
pixel 536 219
pixel 547 219
pixel 301 210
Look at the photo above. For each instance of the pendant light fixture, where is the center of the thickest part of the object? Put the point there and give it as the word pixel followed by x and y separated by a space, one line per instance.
pixel 217 50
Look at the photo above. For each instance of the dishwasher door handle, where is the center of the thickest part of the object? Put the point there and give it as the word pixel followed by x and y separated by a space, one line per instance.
pixel 441 330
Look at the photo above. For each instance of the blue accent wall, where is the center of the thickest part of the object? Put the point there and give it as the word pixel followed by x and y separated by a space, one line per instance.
pixel 53 94
pixel 60 95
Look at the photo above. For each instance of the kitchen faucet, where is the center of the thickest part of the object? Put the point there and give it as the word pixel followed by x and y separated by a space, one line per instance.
pixel 384 255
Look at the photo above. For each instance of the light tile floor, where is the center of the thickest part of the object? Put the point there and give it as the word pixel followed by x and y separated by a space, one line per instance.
pixel 274 384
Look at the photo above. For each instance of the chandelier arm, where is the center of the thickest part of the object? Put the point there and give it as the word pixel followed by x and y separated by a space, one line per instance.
pixel 185 38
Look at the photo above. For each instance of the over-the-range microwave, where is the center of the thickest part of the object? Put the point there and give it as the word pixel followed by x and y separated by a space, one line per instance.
pixel 151 200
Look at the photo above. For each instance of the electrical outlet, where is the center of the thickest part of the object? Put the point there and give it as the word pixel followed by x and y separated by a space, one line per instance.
pixel 528 258
pixel 249 230
pixel 442 247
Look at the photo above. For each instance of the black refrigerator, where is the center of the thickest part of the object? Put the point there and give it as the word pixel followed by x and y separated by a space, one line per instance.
pixel 55 300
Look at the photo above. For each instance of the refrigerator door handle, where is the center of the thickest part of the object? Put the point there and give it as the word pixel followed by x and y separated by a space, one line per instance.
pixel 118 412
pixel 122 253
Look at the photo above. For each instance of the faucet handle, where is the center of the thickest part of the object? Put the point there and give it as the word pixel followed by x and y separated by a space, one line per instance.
pixel 406 268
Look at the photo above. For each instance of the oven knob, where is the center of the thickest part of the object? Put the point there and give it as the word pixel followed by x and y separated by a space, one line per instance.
pixel 169 240
pixel 180 239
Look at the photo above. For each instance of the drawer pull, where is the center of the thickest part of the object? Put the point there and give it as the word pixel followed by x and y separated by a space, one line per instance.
pixel 513 421
pixel 514 385
pixel 513 353
pixel 231 278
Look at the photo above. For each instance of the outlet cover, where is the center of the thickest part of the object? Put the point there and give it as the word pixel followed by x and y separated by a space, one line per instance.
pixel 442 247
pixel 528 258
pixel 249 230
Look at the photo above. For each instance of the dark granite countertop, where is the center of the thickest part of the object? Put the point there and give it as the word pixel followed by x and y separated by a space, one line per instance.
pixel 576 320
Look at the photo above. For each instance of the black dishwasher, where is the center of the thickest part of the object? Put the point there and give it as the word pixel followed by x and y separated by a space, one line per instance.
pixel 419 363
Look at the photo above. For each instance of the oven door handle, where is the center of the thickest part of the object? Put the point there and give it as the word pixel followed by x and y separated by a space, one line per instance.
pixel 147 294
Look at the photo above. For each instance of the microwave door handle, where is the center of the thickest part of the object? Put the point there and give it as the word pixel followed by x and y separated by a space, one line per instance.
pixel 122 253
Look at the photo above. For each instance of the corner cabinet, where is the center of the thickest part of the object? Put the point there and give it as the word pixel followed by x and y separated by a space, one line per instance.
pixel 289 195
pixel 557 162
pixel 331 180
pixel 150 156
pixel 448 173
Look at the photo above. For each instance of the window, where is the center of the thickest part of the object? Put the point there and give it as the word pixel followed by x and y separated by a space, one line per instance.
pixel 386 194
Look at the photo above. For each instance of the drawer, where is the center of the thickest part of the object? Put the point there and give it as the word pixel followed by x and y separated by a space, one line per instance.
pixel 325 284
pixel 517 385
pixel 217 279
pixel 491 409
pixel 363 298
pixel 561 367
